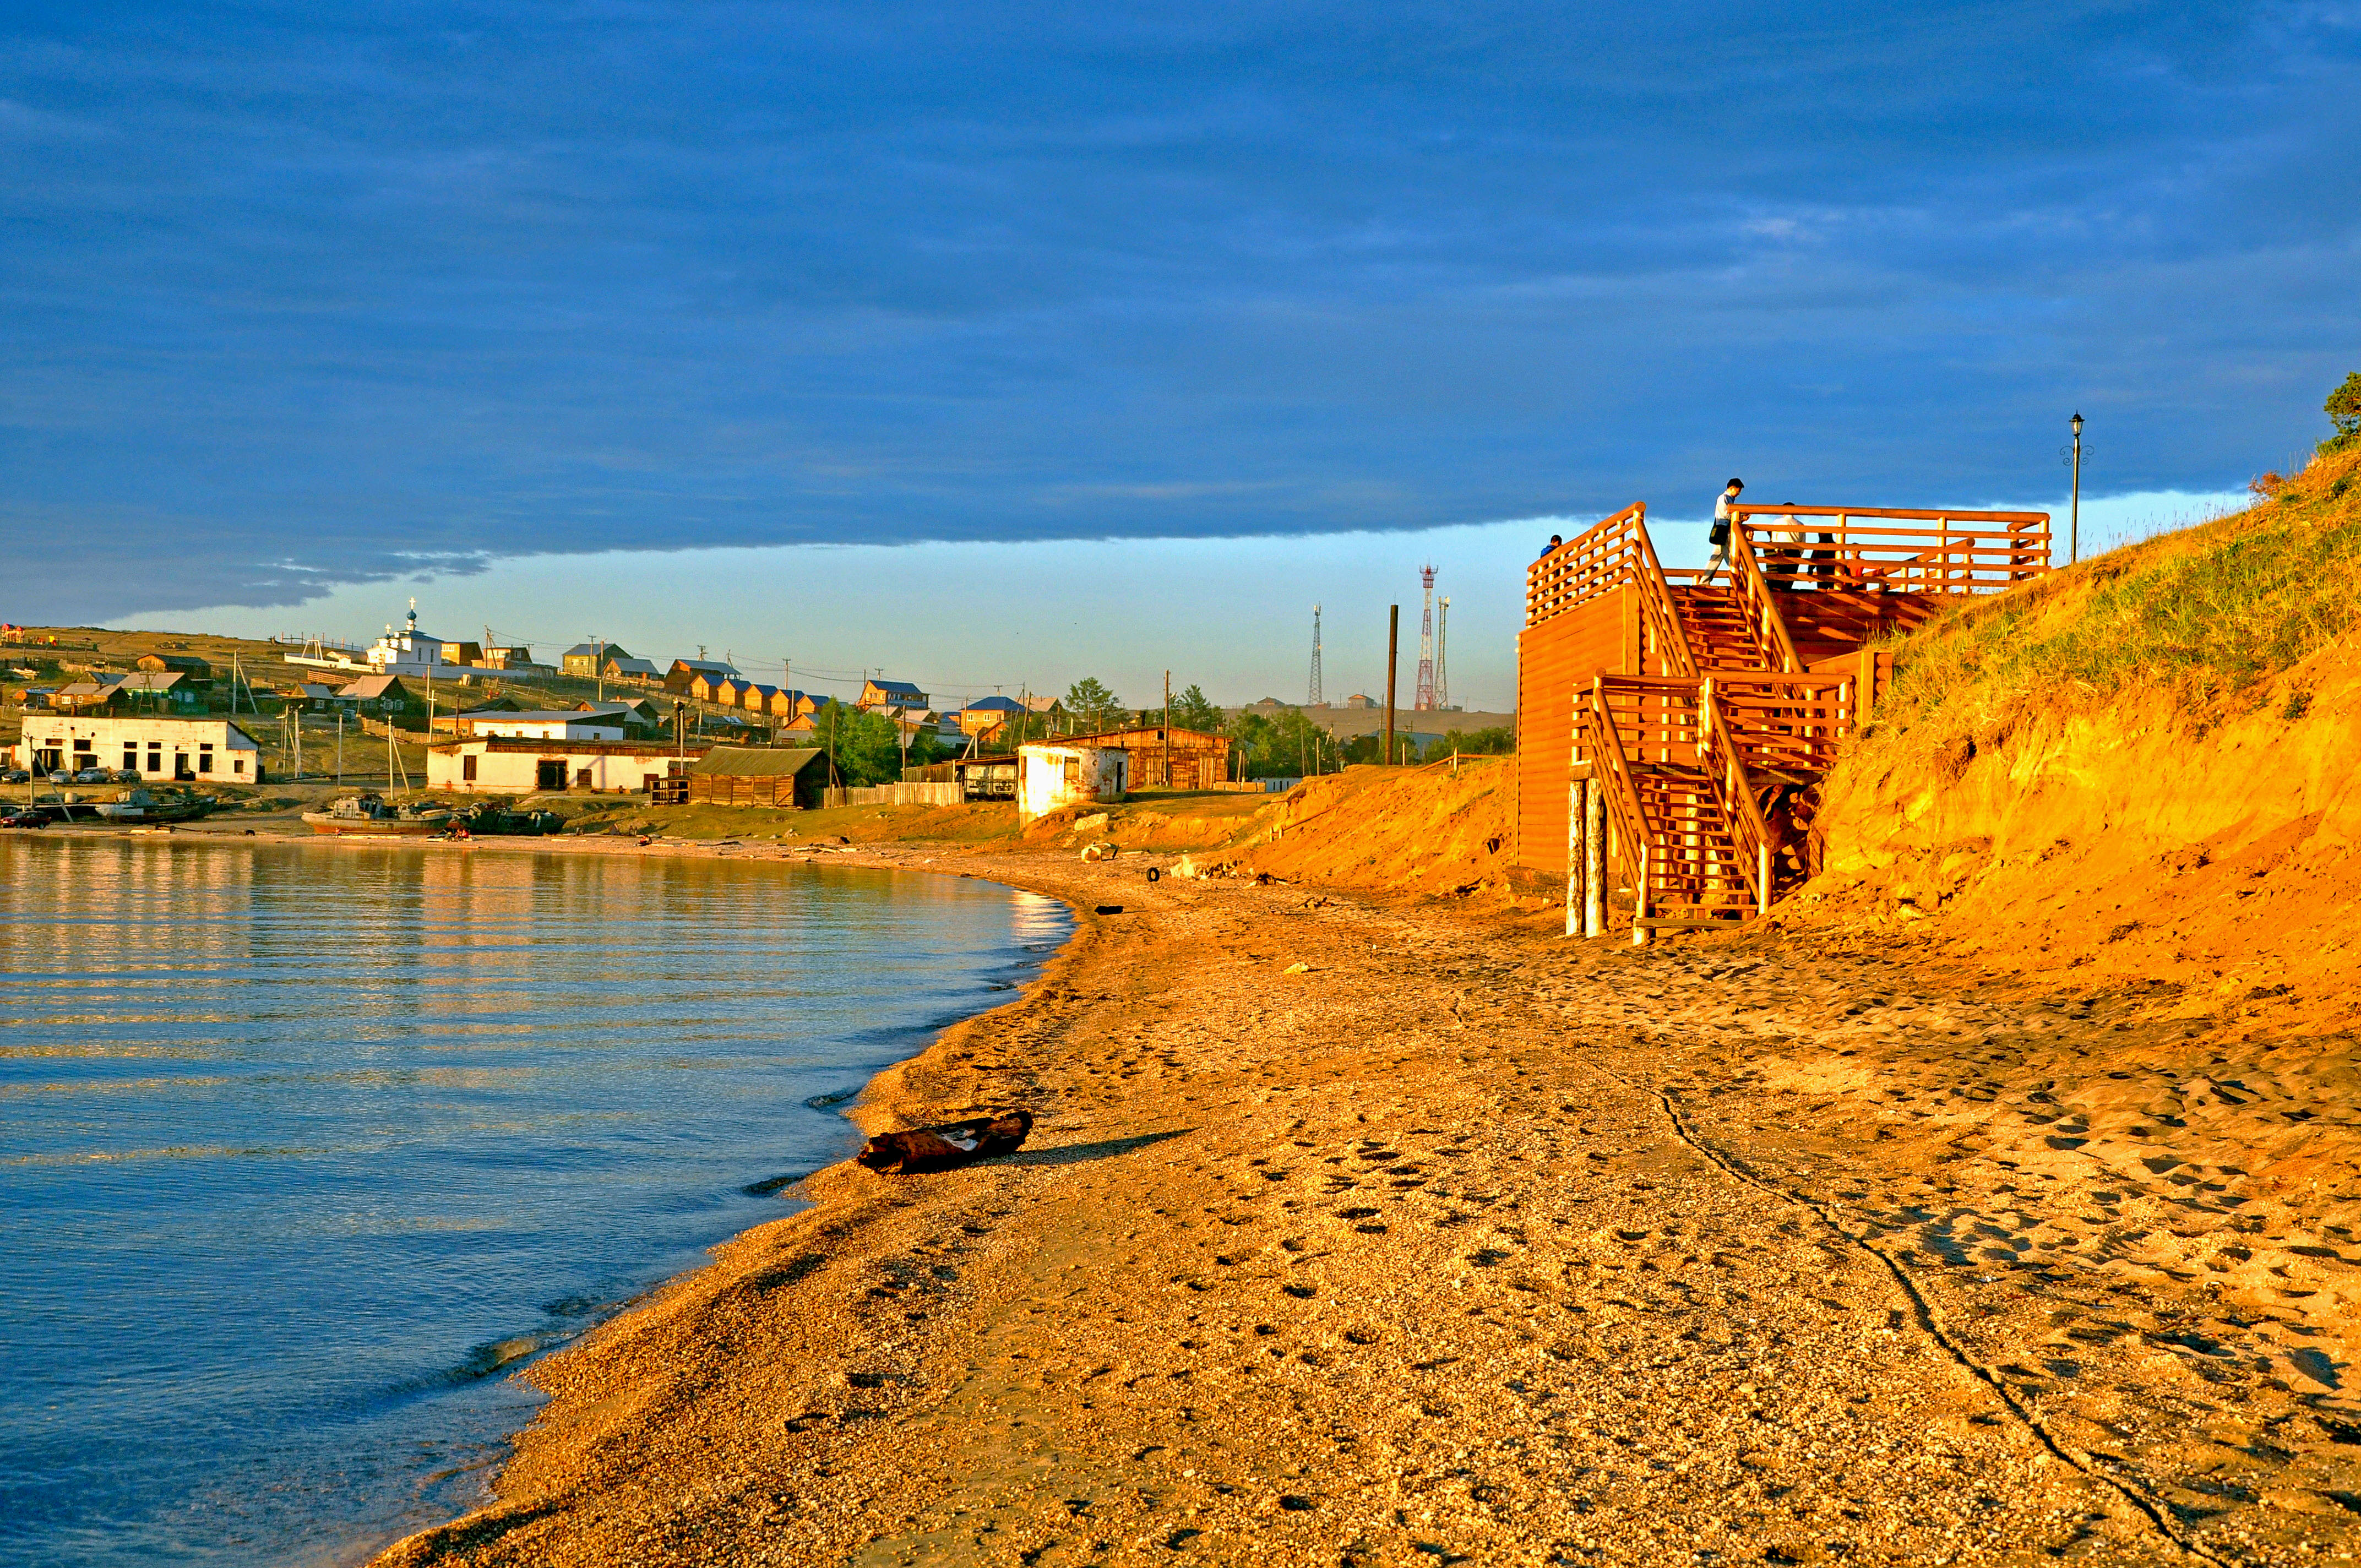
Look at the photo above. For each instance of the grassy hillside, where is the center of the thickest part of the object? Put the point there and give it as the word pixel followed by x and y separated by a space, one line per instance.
pixel 2207 618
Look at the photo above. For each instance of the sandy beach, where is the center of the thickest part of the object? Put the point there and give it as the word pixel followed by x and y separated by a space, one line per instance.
pixel 1465 1242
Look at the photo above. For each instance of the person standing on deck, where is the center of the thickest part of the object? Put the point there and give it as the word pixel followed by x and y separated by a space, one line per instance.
pixel 1719 537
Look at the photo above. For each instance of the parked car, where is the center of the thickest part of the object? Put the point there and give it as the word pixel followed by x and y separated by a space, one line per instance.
pixel 24 820
pixel 16 775
pixel 89 776
pixel 126 775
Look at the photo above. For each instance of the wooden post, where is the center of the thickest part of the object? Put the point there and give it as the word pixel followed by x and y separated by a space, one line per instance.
pixel 1578 854
pixel 1763 878
pixel 1594 859
pixel 1393 643
pixel 1640 896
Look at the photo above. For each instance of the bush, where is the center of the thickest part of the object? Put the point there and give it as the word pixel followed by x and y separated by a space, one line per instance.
pixel 2343 410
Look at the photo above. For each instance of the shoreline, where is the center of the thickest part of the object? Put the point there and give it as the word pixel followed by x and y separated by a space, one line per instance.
pixel 1468 1239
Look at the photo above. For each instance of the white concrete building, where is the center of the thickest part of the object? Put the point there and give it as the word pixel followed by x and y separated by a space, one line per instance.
pixel 510 764
pixel 1050 776
pixel 548 725
pixel 200 750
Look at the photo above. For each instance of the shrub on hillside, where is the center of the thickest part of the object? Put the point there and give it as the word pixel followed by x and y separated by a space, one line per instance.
pixel 2343 410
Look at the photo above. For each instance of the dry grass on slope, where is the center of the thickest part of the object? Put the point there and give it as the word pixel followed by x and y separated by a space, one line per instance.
pixel 2207 617
pixel 1427 830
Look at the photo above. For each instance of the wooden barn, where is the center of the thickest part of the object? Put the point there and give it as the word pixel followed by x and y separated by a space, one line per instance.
pixel 748 775
pixel 1164 757
pixel 1672 732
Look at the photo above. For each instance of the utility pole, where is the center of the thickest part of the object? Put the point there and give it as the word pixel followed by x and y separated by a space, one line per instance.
pixel 1393 647
pixel 2075 512
pixel 340 746
pixel 598 663
pixel 1168 729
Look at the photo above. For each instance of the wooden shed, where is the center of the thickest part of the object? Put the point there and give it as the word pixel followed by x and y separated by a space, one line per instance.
pixel 751 775
pixel 1164 757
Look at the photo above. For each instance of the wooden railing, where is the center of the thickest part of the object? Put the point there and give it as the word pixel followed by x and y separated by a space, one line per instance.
pixel 1787 726
pixel 1725 765
pixel 1756 604
pixel 1595 562
pixel 1892 550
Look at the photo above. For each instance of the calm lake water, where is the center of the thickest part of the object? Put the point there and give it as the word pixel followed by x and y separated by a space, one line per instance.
pixel 303 1148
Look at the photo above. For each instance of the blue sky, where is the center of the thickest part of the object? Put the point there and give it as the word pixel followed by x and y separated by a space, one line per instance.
pixel 308 295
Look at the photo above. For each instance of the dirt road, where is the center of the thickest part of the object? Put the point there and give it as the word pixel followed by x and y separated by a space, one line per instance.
pixel 1468 1243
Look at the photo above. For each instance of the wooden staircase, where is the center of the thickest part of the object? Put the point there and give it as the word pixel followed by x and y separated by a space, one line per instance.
pixel 1703 715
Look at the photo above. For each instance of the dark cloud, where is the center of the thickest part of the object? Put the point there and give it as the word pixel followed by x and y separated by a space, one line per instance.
pixel 342 286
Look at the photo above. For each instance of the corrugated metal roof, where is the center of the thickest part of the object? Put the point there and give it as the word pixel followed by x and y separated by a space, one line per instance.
pixel 752 762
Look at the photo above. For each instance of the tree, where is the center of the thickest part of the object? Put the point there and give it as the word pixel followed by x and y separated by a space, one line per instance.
pixel 865 746
pixel 1090 702
pixel 1192 710
pixel 2343 408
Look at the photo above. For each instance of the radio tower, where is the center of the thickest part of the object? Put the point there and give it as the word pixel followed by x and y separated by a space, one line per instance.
pixel 1441 681
pixel 1314 698
pixel 1425 698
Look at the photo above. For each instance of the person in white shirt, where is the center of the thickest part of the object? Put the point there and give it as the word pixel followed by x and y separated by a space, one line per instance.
pixel 1719 537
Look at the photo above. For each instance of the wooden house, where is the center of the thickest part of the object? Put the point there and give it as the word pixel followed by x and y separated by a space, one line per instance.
pixel 1672 731
pixel 196 669
pixel 681 677
pixel 1167 758
pixel 751 776
pixel 903 695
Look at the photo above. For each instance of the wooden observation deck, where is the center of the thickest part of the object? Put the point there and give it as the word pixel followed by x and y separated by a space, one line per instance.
pixel 1672 734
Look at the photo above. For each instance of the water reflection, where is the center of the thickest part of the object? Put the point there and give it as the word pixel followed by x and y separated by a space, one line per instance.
pixel 302 1144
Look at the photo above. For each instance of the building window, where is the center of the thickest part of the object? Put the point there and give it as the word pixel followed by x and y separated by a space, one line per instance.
pixel 468 768
pixel 131 754
pixel 155 759
pixel 205 759
pixel 237 764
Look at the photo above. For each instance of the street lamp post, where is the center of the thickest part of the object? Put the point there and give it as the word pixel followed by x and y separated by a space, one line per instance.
pixel 2074 508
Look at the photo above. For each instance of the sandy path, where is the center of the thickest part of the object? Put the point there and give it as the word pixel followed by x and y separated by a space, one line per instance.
pixel 1466 1246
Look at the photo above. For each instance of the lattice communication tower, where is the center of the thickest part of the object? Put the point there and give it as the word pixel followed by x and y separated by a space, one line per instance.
pixel 1441 681
pixel 1312 698
pixel 1425 698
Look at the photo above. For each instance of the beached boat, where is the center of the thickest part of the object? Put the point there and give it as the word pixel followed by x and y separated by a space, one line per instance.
pixel 368 814
pixel 138 805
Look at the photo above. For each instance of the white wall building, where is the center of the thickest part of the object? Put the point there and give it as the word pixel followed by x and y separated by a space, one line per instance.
pixel 557 725
pixel 202 750
pixel 1050 776
pixel 508 764
pixel 410 651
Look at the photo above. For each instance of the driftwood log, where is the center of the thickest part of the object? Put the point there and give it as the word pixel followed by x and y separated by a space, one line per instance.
pixel 946 1147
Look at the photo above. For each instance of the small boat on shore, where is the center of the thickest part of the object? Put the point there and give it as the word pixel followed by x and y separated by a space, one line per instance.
pixel 138 805
pixel 369 815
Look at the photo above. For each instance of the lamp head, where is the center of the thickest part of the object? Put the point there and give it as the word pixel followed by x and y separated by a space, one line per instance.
pixel 2077 423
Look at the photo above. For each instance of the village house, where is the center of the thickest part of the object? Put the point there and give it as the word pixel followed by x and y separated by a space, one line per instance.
pixel 639 672
pixel 1164 757
pixel 90 695
pixel 681 678
pixel 736 775
pixel 506 657
pixel 196 669
pixel 585 659
pixel 508 765
pixel 379 697
pixel 312 697
pixel 158 691
pixel 875 694
pixel 640 716
pixel 986 714
pixel 708 687
pixel 214 751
